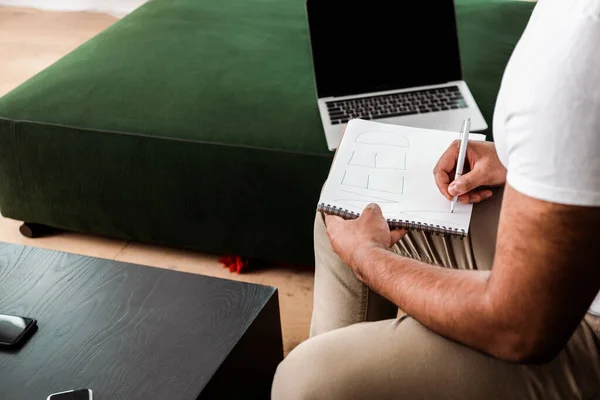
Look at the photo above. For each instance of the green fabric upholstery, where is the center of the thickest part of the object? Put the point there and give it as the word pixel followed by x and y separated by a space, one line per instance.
pixel 488 32
pixel 193 123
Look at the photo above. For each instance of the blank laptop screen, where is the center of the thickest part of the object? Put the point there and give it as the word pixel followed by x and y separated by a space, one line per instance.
pixel 375 45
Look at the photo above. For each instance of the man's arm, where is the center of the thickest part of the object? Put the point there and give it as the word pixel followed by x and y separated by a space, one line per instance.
pixel 546 273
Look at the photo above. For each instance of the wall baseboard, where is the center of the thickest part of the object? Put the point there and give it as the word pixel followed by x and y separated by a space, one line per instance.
pixel 118 8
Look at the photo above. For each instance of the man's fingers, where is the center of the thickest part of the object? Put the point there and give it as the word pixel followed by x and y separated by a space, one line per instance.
pixel 444 168
pixel 447 161
pixel 396 235
pixel 486 194
pixel 475 196
pixel 442 180
pixel 464 198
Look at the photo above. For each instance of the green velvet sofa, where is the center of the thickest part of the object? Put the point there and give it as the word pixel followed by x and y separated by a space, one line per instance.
pixel 193 123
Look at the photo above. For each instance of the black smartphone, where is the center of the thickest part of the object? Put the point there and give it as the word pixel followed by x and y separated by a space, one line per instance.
pixel 82 394
pixel 14 329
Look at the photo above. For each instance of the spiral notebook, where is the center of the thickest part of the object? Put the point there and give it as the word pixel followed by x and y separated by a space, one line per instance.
pixel 392 166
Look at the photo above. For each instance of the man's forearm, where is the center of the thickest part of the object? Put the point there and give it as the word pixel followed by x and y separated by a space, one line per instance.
pixel 544 277
pixel 453 303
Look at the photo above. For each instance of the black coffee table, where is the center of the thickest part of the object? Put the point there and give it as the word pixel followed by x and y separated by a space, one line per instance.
pixel 134 332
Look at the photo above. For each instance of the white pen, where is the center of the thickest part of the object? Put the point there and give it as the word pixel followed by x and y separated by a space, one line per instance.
pixel 462 152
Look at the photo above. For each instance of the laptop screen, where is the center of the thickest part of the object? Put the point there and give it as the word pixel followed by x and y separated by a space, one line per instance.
pixel 376 45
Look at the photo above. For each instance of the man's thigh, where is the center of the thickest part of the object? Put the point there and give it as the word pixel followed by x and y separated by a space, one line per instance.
pixel 397 359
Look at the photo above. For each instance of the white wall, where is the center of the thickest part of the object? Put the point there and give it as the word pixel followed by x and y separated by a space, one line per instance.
pixel 115 7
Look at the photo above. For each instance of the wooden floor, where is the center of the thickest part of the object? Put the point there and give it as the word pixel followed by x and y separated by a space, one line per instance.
pixel 31 40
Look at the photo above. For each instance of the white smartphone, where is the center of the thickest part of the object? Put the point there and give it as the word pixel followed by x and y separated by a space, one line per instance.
pixel 82 394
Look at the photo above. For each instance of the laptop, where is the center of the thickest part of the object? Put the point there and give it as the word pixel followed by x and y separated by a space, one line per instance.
pixel 396 62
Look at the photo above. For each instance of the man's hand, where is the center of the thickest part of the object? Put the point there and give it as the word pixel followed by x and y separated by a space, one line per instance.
pixel 353 239
pixel 483 169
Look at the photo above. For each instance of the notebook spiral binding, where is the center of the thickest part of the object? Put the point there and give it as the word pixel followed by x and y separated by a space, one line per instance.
pixel 396 224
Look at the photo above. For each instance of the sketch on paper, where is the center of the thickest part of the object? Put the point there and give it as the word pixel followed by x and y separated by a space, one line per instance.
pixel 372 151
pixel 370 158
pixel 373 166
pixel 361 158
pixel 356 178
pixel 379 138
pixel 388 182
pixel 371 198
pixel 386 162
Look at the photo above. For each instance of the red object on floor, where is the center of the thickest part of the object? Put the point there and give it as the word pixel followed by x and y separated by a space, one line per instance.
pixel 234 263
pixel 239 264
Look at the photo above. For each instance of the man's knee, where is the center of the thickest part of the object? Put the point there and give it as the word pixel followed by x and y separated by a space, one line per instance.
pixel 307 373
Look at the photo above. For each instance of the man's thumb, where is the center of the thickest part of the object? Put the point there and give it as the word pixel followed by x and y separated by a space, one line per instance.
pixel 462 185
pixel 372 209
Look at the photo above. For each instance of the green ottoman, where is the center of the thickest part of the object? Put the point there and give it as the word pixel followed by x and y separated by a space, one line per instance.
pixel 193 123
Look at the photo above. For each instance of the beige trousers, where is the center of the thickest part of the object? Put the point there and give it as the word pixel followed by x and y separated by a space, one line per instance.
pixel 359 349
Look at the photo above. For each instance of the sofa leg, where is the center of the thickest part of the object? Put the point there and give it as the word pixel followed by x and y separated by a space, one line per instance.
pixel 32 231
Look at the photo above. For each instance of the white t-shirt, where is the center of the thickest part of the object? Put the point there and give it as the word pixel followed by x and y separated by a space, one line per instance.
pixel 547 117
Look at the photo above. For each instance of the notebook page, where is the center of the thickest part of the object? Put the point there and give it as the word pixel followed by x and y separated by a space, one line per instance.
pixel 393 166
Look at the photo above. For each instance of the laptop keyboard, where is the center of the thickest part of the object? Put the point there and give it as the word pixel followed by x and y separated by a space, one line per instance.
pixel 396 105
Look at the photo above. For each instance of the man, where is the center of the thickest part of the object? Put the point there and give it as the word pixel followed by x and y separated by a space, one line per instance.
pixel 512 316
